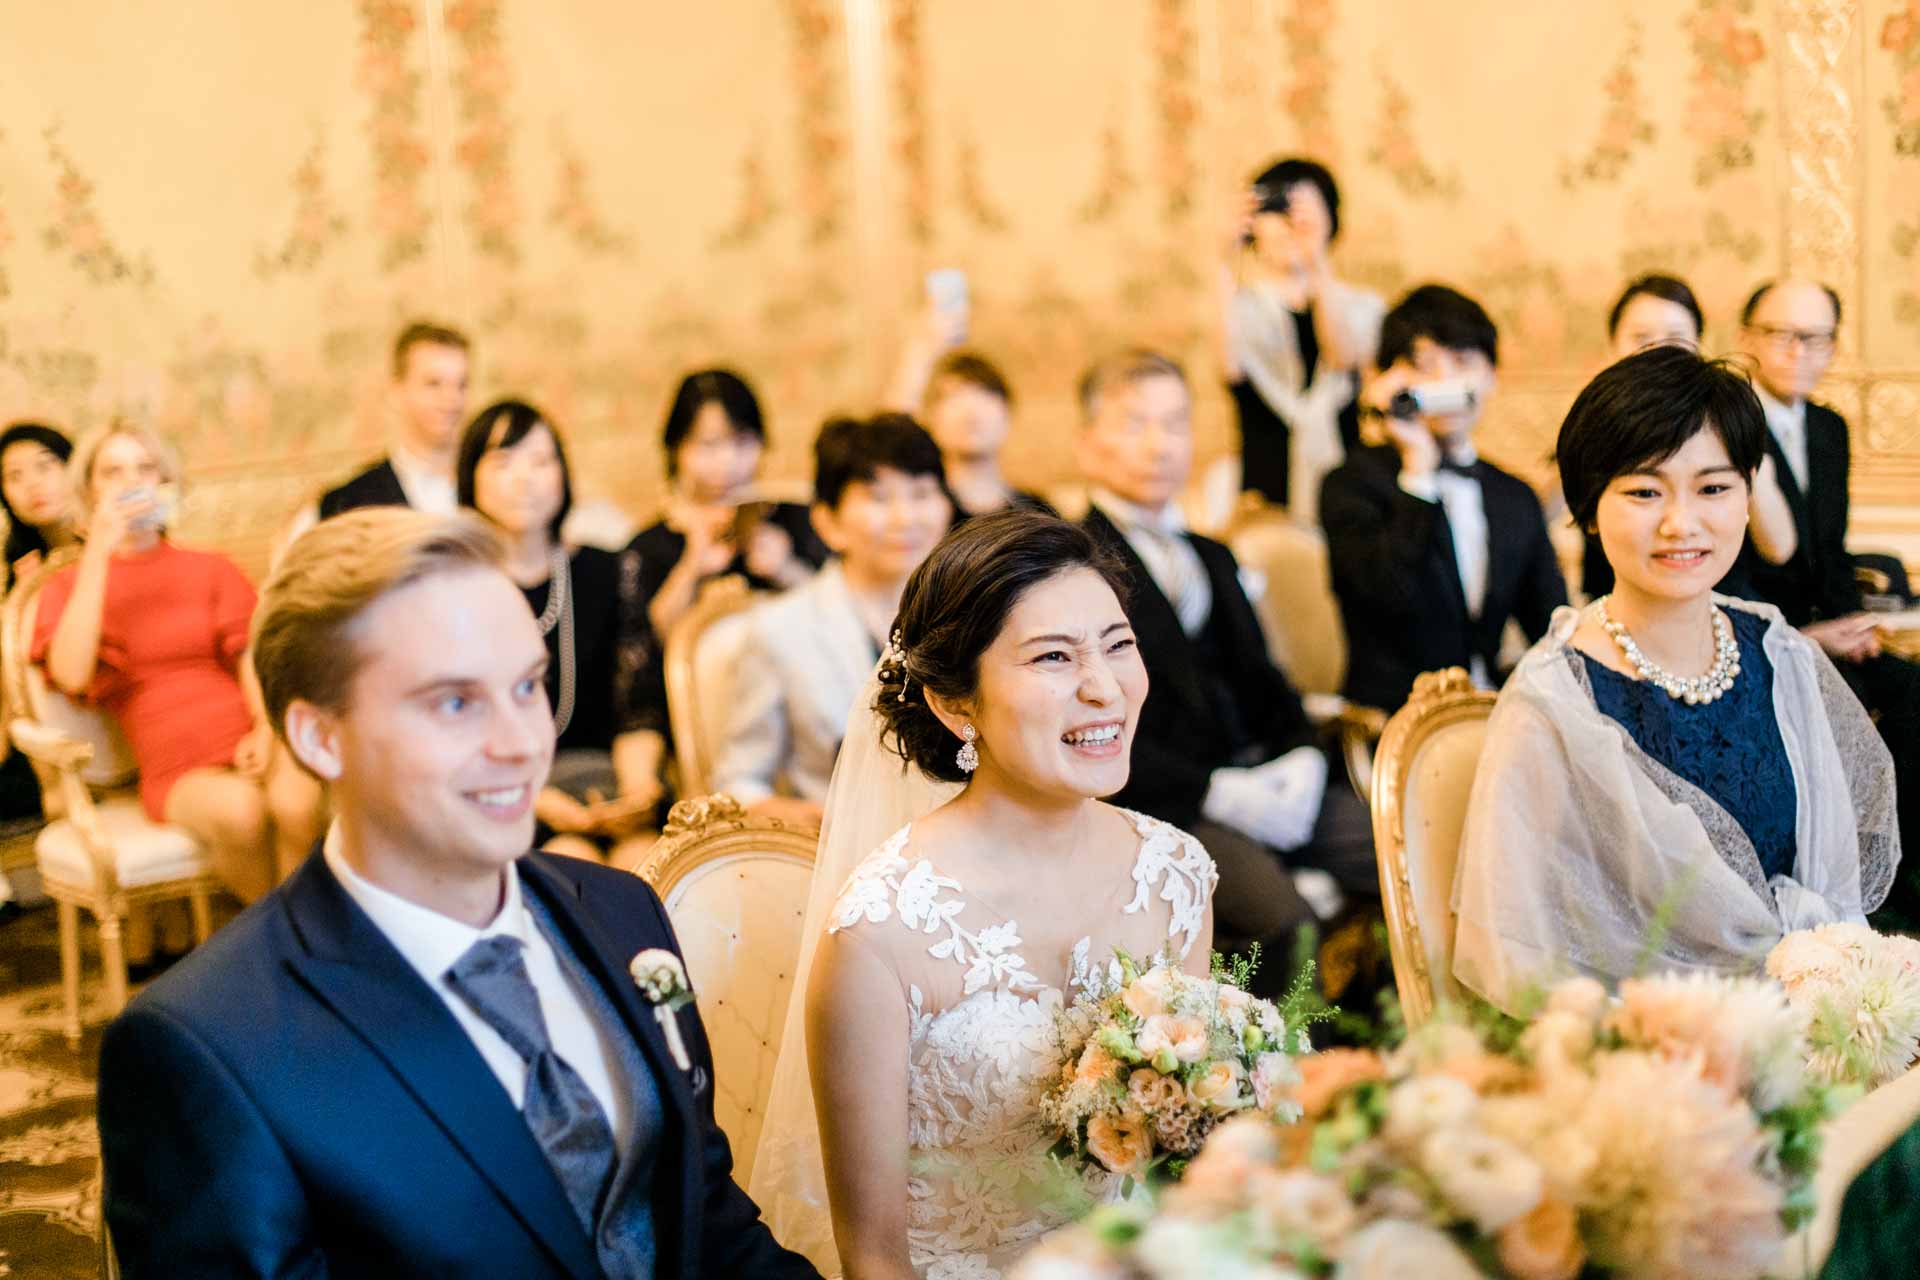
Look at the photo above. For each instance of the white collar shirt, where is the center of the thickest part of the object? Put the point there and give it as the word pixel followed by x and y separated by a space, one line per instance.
pixel 1465 504
pixel 1160 539
pixel 432 943
pixel 1788 423
pixel 428 487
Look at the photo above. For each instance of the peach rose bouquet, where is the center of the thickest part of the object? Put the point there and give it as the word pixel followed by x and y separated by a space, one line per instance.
pixel 1668 1133
pixel 1152 1059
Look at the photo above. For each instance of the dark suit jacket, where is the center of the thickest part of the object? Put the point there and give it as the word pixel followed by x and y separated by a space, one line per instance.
pixel 1817 582
pixel 292 1100
pixel 377 486
pixel 1181 740
pixel 1393 569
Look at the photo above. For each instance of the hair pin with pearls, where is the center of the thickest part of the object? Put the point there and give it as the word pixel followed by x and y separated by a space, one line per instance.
pixel 896 657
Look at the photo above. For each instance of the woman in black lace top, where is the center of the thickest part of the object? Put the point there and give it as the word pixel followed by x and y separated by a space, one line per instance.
pixel 512 469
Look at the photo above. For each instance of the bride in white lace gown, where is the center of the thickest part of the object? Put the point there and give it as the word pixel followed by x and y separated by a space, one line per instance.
pixel 929 1013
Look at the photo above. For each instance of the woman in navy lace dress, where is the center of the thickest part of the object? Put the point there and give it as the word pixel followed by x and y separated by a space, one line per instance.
pixel 1672 779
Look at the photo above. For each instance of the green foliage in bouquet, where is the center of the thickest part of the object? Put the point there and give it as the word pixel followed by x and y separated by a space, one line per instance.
pixel 1153 1058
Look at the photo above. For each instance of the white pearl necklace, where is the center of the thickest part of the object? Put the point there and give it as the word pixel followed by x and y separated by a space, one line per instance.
pixel 1694 690
pixel 559 612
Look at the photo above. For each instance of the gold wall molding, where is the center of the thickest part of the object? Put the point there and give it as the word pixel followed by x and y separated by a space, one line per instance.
pixel 1818 111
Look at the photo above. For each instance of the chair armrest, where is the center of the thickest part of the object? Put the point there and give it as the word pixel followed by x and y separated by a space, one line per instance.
pixel 49 746
pixel 63 755
pixel 1360 730
pixel 1323 709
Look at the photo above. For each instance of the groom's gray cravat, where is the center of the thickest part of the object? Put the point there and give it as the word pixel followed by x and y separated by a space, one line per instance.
pixel 569 1125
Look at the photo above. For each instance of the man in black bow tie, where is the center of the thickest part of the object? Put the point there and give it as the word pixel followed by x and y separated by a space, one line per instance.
pixel 425 1053
pixel 1433 549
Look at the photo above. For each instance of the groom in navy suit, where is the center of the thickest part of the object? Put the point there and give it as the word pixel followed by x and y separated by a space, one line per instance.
pixel 425 1053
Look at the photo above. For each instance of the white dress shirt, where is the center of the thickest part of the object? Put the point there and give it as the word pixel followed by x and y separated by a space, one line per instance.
pixel 433 943
pixel 1465 504
pixel 1159 538
pixel 428 487
pixel 1789 426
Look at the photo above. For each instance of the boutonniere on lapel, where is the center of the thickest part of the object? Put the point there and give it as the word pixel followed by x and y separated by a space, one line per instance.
pixel 662 979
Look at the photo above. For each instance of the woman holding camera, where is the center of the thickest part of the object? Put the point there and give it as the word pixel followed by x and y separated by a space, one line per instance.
pixel 156 635
pixel 715 437
pixel 1293 335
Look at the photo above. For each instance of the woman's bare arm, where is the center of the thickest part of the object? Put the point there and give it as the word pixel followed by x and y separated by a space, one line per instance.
pixel 857 1056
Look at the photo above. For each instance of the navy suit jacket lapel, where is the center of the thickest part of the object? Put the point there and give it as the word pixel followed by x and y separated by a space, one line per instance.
pixel 562 897
pixel 352 968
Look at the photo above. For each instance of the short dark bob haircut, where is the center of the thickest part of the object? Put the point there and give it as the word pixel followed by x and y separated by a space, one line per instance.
pixel 1668 289
pixel 502 425
pixel 696 391
pixel 952 610
pixel 1281 177
pixel 852 451
pixel 1641 410
pixel 1442 315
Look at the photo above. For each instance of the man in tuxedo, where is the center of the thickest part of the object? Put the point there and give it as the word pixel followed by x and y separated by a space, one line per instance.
pixel 429 398
pixel 1433 549
pixel 1224 748
pixel 423 1054
pixel 1788 329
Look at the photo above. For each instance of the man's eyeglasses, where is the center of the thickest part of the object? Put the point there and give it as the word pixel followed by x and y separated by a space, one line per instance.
pixel 1816 341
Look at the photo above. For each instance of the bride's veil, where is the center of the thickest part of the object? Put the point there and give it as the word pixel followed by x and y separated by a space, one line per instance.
pixel 873 794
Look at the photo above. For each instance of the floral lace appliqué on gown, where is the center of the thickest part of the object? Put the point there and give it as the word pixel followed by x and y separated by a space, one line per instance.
pixel 981 1189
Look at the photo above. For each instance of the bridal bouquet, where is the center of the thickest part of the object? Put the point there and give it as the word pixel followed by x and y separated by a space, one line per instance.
pixel 1670 1135
pixel 1860 993
pixel 1152 1060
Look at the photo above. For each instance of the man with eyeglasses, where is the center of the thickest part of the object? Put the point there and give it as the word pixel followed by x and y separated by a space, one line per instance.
pixel 1788 329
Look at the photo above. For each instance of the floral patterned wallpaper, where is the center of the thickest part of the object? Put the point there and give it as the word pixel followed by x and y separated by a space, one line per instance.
pixel 225 238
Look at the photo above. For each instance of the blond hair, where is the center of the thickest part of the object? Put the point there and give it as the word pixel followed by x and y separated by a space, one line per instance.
pixel 334 573
pixel 1123 369
pixel 424 333
pixel 90 444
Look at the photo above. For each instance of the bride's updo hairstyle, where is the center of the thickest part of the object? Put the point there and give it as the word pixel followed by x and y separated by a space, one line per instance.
pixel 953 608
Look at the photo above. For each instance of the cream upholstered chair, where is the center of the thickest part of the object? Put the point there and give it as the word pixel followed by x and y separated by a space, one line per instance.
pixel 1423 774
pixel 1301 618
pixel 735 888
pixel 99 852
pixel 1297 610
pixel 700 655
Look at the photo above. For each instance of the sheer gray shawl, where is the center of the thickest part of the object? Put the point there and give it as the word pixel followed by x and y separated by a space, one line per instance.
pixel 1583 854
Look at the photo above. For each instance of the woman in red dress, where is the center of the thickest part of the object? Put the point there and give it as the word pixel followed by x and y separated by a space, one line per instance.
pixel 156 635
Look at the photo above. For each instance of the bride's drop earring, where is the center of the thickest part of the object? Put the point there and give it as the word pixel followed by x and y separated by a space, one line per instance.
pixel 969 757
